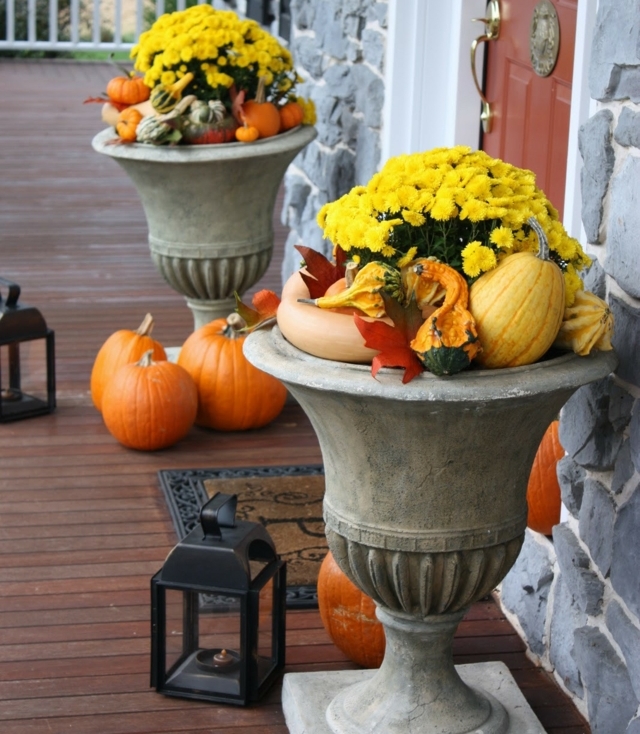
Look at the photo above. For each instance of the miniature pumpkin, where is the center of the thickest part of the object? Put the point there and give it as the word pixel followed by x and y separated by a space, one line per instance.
pixel 247 133
pixel 149 405
pixel 128 121
pixel 349 616
pixel 164 97
pixel 122 347
pixel 291 115
pixel 448 340
pixel 586 325
pixel 127 90
pixel 543 490
pixel 233 395
pixel 262 115
pixel 518 307
pixel 318 331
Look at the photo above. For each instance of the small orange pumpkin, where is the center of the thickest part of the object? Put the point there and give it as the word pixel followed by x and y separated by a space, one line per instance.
pixel 233 395
pixel 291 115
pixel 122 347
pixel 127 90
pixel 349 616
pixel 543 490
pixel 262 115
pixel 247 133
pixel 149 405
pixel 127 123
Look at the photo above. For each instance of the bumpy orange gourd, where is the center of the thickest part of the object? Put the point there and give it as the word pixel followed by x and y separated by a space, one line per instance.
pixel 127 90
pixel 349 616
pixel 122 347
pixel 518 307
pixel 543 491
pixel 291 115
pixel 127 124
pixel 233 395
pixel 149 405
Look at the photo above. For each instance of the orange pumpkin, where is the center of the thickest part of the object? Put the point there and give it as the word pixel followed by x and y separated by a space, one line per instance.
pixel 127 123
pixel 543 491
pixel 291 115
pixel 349 616
pixel 247 134
pixel 233 395
pixel 122 347
pixel 125 91
pixel 262 115
pixel 149 405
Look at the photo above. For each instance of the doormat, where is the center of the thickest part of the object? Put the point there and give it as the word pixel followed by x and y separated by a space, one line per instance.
pixel 287 500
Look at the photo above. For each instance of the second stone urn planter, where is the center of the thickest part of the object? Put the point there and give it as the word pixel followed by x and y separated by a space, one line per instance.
pixel 209 209
pixel 425 511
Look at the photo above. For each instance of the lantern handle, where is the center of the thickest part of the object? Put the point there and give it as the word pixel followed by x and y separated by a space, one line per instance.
pixel 14 292
pixel 218 512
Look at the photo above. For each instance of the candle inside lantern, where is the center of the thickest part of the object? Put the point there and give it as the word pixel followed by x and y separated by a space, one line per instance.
pixel 10 394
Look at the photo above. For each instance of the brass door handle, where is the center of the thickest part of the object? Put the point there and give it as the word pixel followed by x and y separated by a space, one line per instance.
pixel 491 33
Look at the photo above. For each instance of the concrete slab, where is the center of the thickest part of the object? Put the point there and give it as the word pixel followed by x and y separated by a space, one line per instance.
pixel 305 696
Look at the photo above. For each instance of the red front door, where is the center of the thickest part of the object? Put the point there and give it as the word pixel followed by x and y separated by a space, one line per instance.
pixel 530 120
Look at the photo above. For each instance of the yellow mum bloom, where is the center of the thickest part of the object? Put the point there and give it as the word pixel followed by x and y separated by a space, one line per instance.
pixel 415 219
pixel 502 237
pixel 477 259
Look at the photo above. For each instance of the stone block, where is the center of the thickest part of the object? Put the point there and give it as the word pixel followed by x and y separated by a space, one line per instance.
pixel 340 81
pixel 367 154
pixel 373 48
pixel 595 279
pixel 611 700
pixel 308 54
pixel 596 520
pixel 328 25
pixel 627 132
pixel 378 12
pixel 621 404
pixel 369 95
pixel 626 339
pixel 624 468
pixel 585 430
pixel 634 726
pixel 338 173
pixel 566 617
pixel 614 70
pixel 297 191
pixel 627 634
pixel 634 438
pixel 623 254
pixel 583 583
pixel 626 551
pixel 571 480
pixel 594 141
pixel 303 13
pixel 525 589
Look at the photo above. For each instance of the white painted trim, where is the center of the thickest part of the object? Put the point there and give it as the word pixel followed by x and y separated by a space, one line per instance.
pixel 582 107
pixel 430 99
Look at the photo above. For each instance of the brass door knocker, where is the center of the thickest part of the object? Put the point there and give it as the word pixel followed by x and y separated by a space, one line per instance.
pixel 544 38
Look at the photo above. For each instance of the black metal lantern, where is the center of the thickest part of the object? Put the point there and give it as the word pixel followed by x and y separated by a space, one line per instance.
pixel 218 611
pixel 20 324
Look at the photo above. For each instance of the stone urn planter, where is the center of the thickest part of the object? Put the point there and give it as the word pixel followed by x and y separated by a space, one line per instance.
pixel 209 209
pixel 425 511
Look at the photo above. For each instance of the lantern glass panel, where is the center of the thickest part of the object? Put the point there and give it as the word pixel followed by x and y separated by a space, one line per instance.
pixel 24 364
pixel 267 657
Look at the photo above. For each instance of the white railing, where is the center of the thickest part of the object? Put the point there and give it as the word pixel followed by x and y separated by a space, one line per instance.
pixel 104 25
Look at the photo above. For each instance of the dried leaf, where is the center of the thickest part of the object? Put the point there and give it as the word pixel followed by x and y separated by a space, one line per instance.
pixel 393 342
pixel 265 304
pixel 321 272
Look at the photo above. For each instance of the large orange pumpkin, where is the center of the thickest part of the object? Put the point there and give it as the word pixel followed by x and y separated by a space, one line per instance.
pixel 233 395
pixel 543 491
pixel 349 616
pixel 122 347
pixel 149 405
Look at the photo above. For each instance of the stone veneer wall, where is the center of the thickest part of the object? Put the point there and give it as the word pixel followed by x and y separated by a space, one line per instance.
pixel 339 49
pixel 577 599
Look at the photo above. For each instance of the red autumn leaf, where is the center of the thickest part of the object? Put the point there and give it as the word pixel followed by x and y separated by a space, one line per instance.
pixel 393 342
pixel 265 304
pixel 321 272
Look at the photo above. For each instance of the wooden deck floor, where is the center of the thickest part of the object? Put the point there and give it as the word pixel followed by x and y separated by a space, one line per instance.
pixel 83 525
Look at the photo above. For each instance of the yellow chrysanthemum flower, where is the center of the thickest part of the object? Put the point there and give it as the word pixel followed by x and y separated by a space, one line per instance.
pixel 477 259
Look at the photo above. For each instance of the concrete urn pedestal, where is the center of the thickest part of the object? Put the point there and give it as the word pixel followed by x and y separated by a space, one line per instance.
pixel 209 209
pixel 425 511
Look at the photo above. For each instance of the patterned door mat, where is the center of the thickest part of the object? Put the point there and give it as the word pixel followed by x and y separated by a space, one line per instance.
pixel 287 500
